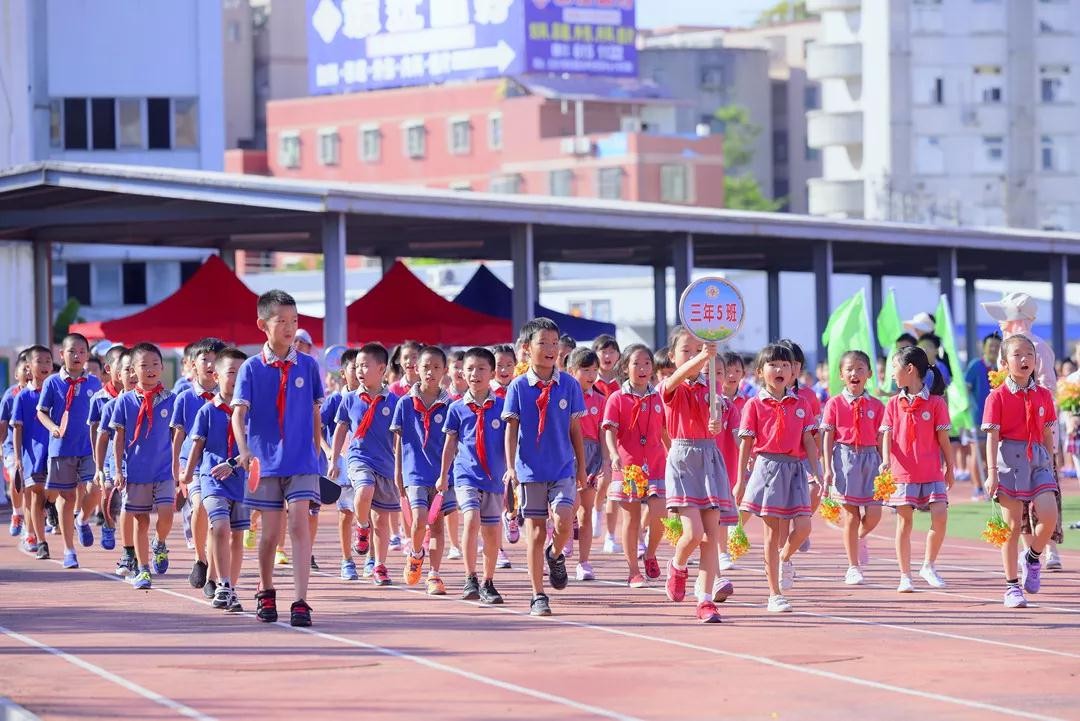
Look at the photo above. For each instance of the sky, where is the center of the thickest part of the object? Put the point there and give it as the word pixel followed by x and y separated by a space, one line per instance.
pixel 658 13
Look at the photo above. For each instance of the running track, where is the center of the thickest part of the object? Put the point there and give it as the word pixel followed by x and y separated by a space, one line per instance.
pixel 81 644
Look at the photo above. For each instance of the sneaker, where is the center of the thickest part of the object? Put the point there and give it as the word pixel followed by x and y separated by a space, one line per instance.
pixel 51 530
pixel 503 561
pixel 108 538
pixel 454 553
pixel 471 592
pixel 234 603
pixel 726 564
pixel 1031 576
pixel 929 574
pixel 142 581
pixel 676 582
pixel 42 553
pixel 363 540
pixel 267 606
pixel 395 542
pixel 568 549
pixel 435 586
pixel 249 539
pixel 636 581
pixel 222 596
pixel 906 586
pixel 52 518
pixel 854 577
pixel 197 577
pixel 381 577
pixel 70 560
pixel 699 585
pixel 597 522
pixel 86 535
pixel 124 566
pixel 369 568
pixel 584 572
pixel 804 546
pixel 1053 559
pixel 722 590
pixel 652 568
pixel 641 551
pixel 280 559
pixel 314 566
pixel 348 571
pixel 510 528
pixel 300 613
pixel 556 569
pixel 707 613
pixel 787 575
pixel 779 604
pixel 864 552
pixel 611 546
pixel 210 588
pixel 414 567
pixel 489 595
pixel 15 529
pixel 160 559
pixel 1014 598
pixel 540 606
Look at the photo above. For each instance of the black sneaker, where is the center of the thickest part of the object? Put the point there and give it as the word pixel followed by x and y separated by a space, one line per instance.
pixel 267 602
pixel 42 551
pixel 197 577
pixel 540 606
pixel 489 595
pixel 99 519
pixel 556 569
pixel 472 589
pixel 234 604
pixel 52 518
pixel 314 566
pixel 209 588
pixel 300 613
pixel 222 596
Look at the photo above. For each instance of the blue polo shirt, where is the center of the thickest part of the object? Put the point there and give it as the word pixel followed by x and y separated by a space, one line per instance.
pixel 212 425
pixel 148 459
pixel 420 462
pixel 257 386
pixel 328 415
pixel 551 456
pixel 182 384
pixel 375 450
pixel 188 402
pixel 7 413
pixel 76 440
pixel 105 426
pixel 461 422
pixel 97 402
pixel 978 378
pixel 35 437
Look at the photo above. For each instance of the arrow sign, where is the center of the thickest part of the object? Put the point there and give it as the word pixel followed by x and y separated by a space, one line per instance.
pixel 499 56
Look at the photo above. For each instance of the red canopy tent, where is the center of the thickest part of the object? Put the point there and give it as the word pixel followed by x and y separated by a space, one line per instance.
pixel 401 307
pixel 212 303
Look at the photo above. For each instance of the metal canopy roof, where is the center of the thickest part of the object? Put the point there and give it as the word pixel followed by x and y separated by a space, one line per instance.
pixel 97 203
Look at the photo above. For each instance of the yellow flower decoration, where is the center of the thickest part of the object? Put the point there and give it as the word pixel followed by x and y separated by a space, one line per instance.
pixel 738 544
pixel 830 511
pixel 996 532
pixel 521 368
pixel 884 486
pixel 672 529
pixel 1068 396
pixel 997 377
pixel 635 482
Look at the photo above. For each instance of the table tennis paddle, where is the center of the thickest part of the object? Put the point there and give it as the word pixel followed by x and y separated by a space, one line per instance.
pixel 254 475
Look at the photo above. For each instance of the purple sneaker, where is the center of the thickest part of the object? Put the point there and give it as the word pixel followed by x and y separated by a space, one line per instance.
pixel 1014 598
pixel 1032 573
pixel 510 528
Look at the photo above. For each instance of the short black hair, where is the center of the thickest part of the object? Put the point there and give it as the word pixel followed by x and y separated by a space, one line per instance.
pixel 434 350
pixel 73 337
pixel 95 359
pixel 502 348
pixel 732 358
pixel 189 351
pixel 349 356
pixel 567 340
pixel 661 360
pixel 29 352
pixel 481 353
pixel 604 342
pixel 457 355
pixel 774 352
pixel 230 354
pixel 991 336
pixel 207 345
pixel 538 325
pixel 907 338
pixel 582 358
pixel 24 356
pixel 113 354
pixel 272 299
pixel 147 348
pixel 378 350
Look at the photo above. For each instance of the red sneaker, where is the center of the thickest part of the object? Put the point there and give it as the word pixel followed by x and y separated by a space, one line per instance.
pixel 676 582
pixel 362 541
pixel 707 613
pixel 652 568
pixel 381 576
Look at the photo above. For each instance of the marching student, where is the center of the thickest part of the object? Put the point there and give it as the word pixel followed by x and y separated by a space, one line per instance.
pixel 105 465
pixel 346 501
pixel 30 445
pixel 113 387
pixel 7 443
pixel 584 366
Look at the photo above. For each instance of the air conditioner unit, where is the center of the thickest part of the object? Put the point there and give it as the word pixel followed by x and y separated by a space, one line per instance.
pixel 567 146
pixel 582 146
pixel 631 125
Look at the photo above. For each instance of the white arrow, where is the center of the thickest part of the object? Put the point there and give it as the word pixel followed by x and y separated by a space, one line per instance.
pixel 499 56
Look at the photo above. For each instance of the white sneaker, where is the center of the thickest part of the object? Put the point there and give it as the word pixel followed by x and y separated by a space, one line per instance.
pixel 779 604
pixel 854 576
pixel 787 575
pixel 864 552
pixel 699 586
pixel 726 564
pixel 1053 558
pixel 611 546
pixel 503 561
pixel 568 549
pixel 906 585
pixel 585 572
pixel 930 575
pixel 596 522
pixel 454 553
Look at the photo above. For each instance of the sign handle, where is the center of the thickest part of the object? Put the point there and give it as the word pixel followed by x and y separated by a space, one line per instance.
pixel 712 387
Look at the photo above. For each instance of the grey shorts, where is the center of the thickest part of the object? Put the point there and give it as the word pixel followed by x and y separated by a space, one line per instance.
pixel 422 496
pixel 488 503
pixel 346 502
pixel 386 496
pixel 275 491
pixel 220 508
pixel 143 497
pixel 538 496
pixel 35 481
pixel 67 472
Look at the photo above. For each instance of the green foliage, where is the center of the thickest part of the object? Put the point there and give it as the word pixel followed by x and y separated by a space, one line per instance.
pixel 784 12
pixel 742 192
pixel 68 314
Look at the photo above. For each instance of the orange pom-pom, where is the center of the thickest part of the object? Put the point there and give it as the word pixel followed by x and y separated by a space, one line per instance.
pixel 884 486
pixel 830 511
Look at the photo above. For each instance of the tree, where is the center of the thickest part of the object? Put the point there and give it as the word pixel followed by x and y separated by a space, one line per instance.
pixel 784 12
pixel 741 189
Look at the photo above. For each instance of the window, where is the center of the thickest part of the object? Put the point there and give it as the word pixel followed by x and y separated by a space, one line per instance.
pixel 509 184
pixel 158 124
pixel 780 187
pixel 75 121
pixel 926 16
pixel 1053 83
pixel 370 144
pixel 988 84
pixel 991 158
pixel 1053 18
pixel 78 283
pixel 329 147
pixel 609 182
pixel 811 97
pixel 461 186
pixel 186 122
pixel 1054 154
pixel 289 150
pixel 187 269
pixel 712 77
pixel 928 86
pixel 460 136
pixel 130 112
pixel 415 140
pixel 107 283
pixel 674 184
pixel 780 146
pixel 134 283
pixel 495 131
pixel 561 183
pixel 103 123
pixel 162 280
pixel 929 155
pixel 56 124
pixel 599 310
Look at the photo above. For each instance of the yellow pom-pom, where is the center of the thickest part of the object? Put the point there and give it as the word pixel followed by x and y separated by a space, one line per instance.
pixel 738 544
pixel 884 486
pixel 521 368
pixel 997 377
pixel 996 532
pixel 673 529
pixel 635 482
pixel 1068 396
pixel 830 511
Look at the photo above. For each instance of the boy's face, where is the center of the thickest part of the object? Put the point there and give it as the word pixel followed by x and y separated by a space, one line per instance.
pixel 370 370
pixel 93 366
pixel 147 369
pixel 281 326
pixel 608 358
pixel 991 349
pixel 40 366
pixel 504 368
pixel 73 355
pixel 478 374
pixel 226 374
pixel 115 376
pixel 204 369
pixel 348 371
pixel 586 376
pixel 23 373
pixel 543 350
pixel 432 370
pixel 127 373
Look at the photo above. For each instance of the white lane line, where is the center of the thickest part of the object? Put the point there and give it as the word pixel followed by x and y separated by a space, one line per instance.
pixel 146 693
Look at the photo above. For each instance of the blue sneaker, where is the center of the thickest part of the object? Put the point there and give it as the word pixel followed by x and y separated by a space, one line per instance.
pixel 70 560
pixel 369 568
pixel 50 530
pixel 161 558
pixel 16 527
pixel 142 581
pixel 348 571
pixel 108 538
pixel 86 535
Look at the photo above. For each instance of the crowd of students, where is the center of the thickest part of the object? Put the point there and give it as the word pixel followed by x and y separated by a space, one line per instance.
pixel 443 456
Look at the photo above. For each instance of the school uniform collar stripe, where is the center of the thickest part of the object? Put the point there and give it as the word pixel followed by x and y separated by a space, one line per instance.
pixel 470 398
pixel 764 395
pixel 65 375
pixel 852 398
pixel 443 397
pixel 924 394
pixel 383 392
pixel 534 379
pixel 1015 388
pixel 628 389
pixel 269 357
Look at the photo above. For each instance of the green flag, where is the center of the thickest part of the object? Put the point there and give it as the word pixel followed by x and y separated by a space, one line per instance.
pixel 889 325
pixel 957 392
pixel 848 329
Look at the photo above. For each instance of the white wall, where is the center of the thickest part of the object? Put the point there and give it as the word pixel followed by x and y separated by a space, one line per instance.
pixel 15 104
pixel 17 281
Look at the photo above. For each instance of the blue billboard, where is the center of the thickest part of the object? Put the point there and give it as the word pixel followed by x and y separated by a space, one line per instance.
pixel 356 45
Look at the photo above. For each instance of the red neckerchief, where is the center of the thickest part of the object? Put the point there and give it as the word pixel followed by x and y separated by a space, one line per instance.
pixel 1031 418
pixel 227 410
pixel 857 409
pixel 696 408
pixel 426 413
pixel 112 390
pixel 778 413
pixel 369 414
pixel 481 446
pixel 542 405
pixel 500 392
pixel 73 388
pixel 907 436
pixel 146 411
pixel 641 402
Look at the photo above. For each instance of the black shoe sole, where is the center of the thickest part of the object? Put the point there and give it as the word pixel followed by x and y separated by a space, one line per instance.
pixel 209 590
pixel 266 617
pixel 544 612
pixel 473 596
pixel 557 575
pixel 302 621
pixel 492 600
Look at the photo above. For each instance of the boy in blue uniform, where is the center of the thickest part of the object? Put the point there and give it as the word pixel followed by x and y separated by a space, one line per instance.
pixel 346 501
pixel 474 450
pixel 112 388
pixel 276 419
pixel 63 408
pixel 365 418
pixel 7 413
pixel 418 445
pixel 202 390
pixel 143 462
pixel 543 443
pixel 31 447
pixel 213 451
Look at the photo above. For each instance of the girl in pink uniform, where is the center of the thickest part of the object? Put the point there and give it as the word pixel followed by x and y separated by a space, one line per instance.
pixel 852 456
pixel 916 448
pixel 635 435
pixel 775 425
pixel 584 366
pixel 809 397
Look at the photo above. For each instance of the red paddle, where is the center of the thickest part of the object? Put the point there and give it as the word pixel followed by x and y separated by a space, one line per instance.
pixel 254 474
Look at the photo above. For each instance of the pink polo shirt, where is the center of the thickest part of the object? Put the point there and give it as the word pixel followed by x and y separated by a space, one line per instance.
pixel 856 421
pixel 594 413
pixel 912 423
pixel 1006 410
pixel 777 426
pixel 728 440
pixel 687 410
pixel 633 418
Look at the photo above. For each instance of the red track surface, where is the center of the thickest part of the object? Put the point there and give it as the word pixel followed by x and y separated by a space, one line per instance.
pixel 609 651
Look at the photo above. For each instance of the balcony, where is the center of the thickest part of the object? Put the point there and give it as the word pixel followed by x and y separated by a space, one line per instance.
pixel 834 61
pixel 820 6
pixel 824 128
pixel 836 197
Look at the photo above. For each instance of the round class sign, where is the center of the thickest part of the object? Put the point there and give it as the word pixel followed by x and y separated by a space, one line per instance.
pixel 712 309
pixel 332 358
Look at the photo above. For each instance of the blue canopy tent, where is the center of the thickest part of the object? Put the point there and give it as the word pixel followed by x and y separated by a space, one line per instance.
pixel 485 293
